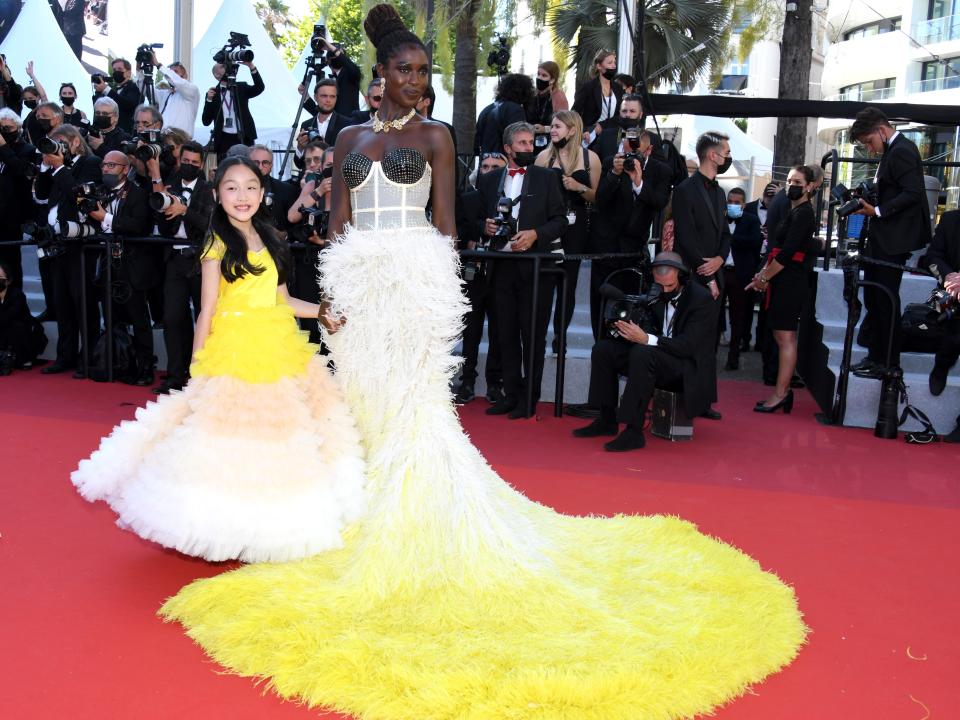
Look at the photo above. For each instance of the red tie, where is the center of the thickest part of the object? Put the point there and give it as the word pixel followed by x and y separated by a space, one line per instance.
pixel 514 171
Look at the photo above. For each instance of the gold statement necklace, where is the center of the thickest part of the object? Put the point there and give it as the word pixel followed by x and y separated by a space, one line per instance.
pixel 385 127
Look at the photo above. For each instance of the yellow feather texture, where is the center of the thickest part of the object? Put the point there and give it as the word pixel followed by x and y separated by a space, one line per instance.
pixel 456 597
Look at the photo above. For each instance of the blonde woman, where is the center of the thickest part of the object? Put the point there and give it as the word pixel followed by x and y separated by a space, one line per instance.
pixel 598 100
pixel 579 170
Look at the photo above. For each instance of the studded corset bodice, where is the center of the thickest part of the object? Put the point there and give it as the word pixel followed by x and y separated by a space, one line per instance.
pixel 388 193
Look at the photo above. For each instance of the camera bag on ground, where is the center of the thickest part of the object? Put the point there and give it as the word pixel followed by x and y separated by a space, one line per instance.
pixel 920 331
pixel 126 365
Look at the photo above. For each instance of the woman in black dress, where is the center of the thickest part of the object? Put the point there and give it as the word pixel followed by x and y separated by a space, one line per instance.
pixel 785 281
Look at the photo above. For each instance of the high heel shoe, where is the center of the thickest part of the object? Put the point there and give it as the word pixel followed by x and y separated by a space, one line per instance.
pixel 786 404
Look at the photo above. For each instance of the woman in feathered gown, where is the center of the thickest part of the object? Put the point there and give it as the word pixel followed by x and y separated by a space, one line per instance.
pixel 456 596
pixel 257 458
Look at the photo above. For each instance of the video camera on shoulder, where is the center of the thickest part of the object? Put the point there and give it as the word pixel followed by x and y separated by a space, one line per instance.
pixel 628 308
pixel 499 57
pixel 506 224
pixel 849 201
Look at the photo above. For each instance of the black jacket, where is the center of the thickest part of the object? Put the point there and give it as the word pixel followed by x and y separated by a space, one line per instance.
pixel 57 189
pixel 16 204
pixel 944 249
pixel 470 217
pixel 212 110
pixel 337 123
pixel 541 203
pixel 623 218
pixel 196 220
pixel 588 102
pixel 139 263
pixel 13 98
pixel 491 123
pixel 127 96
pixel 112 141
pixel 348 87
pixel 693 341
pixel 282 196
pixel 700 224
pixel 745 244
pixel 904 222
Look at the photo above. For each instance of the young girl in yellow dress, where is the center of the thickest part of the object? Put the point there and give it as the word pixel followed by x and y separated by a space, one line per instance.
pixel 257 458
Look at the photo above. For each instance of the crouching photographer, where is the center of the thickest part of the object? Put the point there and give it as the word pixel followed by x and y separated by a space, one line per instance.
pixel 65 190
pixel 675 351
pixel 183 213
pixel 123 211
pixel 943 260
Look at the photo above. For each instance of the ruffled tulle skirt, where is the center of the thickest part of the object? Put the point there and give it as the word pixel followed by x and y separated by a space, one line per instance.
pixel 256 459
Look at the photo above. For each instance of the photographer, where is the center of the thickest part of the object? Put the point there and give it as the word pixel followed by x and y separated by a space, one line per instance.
pixel 16 170
pixel 227 106
pixel 347 76
pixel 124 211
pixel 899 224
pixel 633 188
pixel 309 219
pixel 326 124
pixel 106 134
pixel 49 118
pixel 631 118
pixel 67 162
pixel 373 99
pixel 178 105
pixel 124 92
pixel 514 95
pixel 598 101
pixel 532 220
pixel 11 94
pixel 943 258
pixel 479 289
pixel 674 352
pixel 186 218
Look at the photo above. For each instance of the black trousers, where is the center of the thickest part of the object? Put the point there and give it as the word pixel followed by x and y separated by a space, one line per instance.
pixel 735 297
pixel 950 348
pixel 10 255
pixel 67 285
pixel 646 368
pixel 303 285
pixel 574 240
pixel 134 311
pixel 879 311
pixel 482 307
pixel 46 284
pixel 181 288
pixel 513 290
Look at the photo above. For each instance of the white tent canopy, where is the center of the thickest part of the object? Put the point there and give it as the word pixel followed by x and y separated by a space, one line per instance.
pixel 134 22
pixel 748 155
pixel 36 36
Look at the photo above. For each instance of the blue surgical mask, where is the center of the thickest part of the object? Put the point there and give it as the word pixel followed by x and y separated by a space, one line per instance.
pixel 734 211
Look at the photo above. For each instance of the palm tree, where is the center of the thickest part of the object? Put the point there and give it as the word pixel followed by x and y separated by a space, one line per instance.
pixel 273 14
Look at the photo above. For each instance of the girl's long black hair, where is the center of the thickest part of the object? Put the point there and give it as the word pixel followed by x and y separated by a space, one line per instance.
pixel 236 262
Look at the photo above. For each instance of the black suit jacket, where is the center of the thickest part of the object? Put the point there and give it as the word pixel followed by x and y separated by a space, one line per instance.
pixel 16 204
pixel 700 224
pixel 57 189
pixel 588 102
pixel 112 141
pixel 348 87
pixel 904 222
pixel 541 203
pixel 196 221
pixel 282 196
pixel 470 217
pixel 623 218
pixel 745 244
pixel 139 264
pixel 127 96
pixel 693 341
pixel 944 249
pixel 245 92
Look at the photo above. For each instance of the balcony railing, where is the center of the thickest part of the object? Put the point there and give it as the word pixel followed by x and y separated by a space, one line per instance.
pixel 938 29
pixel 950 82
pixel 865 95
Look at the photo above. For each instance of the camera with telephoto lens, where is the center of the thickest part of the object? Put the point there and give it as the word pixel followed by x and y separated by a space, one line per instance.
pixel 144 57
pixel 88 197
pixel 942 302
pixel 48 243
pixel 52 146
pixel 632 136
pixel 499 57
pixel 236 51
pixel 147 146
pixel 628 308
pixel 315 219
pixel 71 229
pixel 848 201
pixel 506 224
pixel 162 201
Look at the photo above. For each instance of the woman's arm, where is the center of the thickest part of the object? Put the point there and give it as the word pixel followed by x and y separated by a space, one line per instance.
pixel 340 212
pixel 443 198
pixel 301 308
pixel 209 290
pixel 595 169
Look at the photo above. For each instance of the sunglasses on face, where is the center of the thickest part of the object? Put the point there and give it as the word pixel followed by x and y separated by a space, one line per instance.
pixel 378 98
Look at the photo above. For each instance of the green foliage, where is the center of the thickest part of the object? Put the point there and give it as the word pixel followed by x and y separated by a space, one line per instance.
pixel 273 14
pixel 741 123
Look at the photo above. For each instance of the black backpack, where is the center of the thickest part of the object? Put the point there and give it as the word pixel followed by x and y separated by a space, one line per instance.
pixel 127 366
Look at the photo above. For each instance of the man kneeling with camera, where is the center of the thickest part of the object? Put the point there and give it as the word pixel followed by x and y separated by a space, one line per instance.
pixel 674 351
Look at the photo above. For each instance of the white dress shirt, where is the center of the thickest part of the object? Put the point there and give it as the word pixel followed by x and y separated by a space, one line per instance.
pixel 668 315
pixel 179 105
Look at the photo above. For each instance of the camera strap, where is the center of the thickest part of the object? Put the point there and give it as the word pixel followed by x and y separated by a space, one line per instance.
pixel 923 437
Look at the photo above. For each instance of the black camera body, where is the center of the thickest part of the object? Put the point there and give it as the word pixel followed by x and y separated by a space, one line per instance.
pixel 147 146
pixel 316 219
pixel 628 308
pixel 97 78
pixel 88 196
pixel 48 243
pixel 236 51
pixel 506 224
pixel 144 57
pixel 51 146
pixel 499 57
pixel 851 200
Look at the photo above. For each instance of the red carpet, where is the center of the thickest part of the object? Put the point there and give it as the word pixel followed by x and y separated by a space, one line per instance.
pixel 865 529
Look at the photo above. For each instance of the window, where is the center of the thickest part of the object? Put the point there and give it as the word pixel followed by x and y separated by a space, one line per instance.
pixel 942 8
pixel 878 28
pixel 939 75
pixel 870 90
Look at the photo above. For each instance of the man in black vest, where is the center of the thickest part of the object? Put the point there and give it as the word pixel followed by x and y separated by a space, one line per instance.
pixel 675 352
pixel 229 110
pixel 538 218
pixel 899 224
pixel 702 236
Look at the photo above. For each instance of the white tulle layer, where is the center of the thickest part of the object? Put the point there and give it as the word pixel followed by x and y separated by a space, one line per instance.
pixel 226 469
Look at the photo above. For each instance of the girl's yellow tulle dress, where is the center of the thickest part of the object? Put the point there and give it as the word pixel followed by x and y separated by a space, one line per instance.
pixel 257 458
pixel 456 597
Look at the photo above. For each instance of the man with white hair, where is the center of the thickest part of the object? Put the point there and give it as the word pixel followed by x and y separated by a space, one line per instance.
pixel 178 105
pixel 106 134
pixel 15 200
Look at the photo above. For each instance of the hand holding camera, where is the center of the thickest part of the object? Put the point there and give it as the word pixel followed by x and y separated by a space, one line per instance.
pixel 523 240
pixel 951 284
pixel 630 331
pixel 97 214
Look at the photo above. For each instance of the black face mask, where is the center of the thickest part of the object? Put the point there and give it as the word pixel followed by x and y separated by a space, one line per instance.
pixel 101 122
pixel 727 162
pixel 610 73
pixel 30 104
pixel 561 143
pixel 525 159
pixel 10 137
pixel 67 101
pixel 118 77
pixel 794 192
pixel 112 181
pixel 189 172
pixel 542 84
pixel 627 123
pixel 44 124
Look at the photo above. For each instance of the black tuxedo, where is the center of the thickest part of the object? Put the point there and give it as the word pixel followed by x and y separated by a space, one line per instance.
pixel 541 209
pixel 112 141
pixel 212 113
pixel 336 123
pixel 700 225
pixel 684 361
pixel 746 242
pixel 282 196
pixel 348 86
pixel 588 103
pixel 903 226
pixel 181 282
pixel 128 97
pixel 16 203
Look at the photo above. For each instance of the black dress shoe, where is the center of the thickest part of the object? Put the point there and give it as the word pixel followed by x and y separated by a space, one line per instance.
pixel 938 379
pixel 494 393
pixel 55 369
pixel 629 439
pixel 79 375
pixel 464 394
pixel 598 428
pixel 144 380
pixel 502 407
pixel 711 414
pixel 867 368
pixel 520 412
pixel 733 362
pixel 786 404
